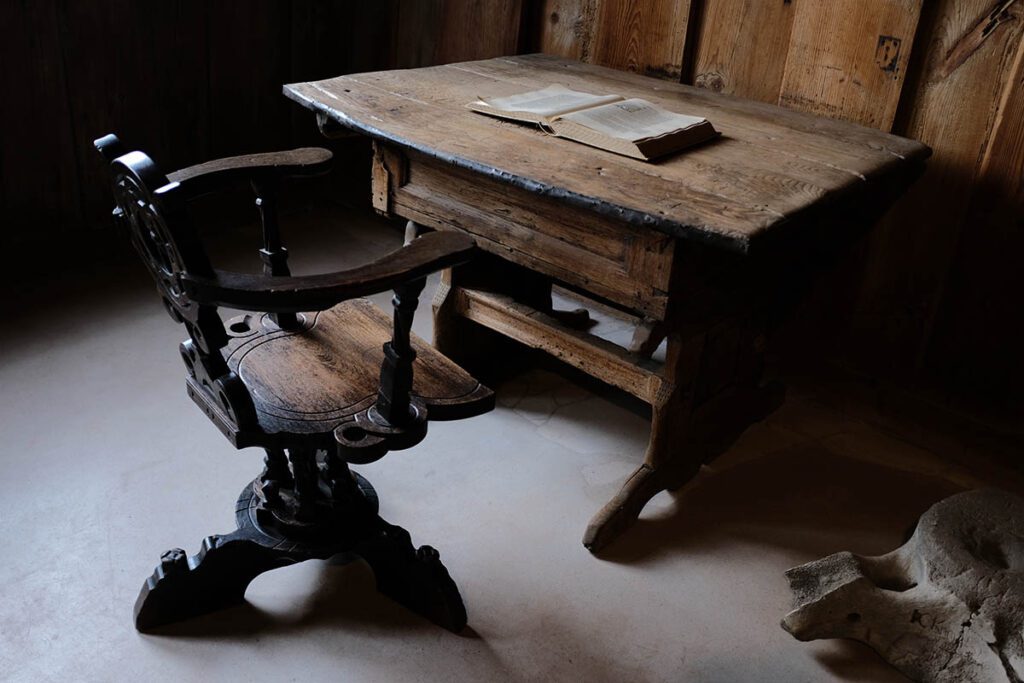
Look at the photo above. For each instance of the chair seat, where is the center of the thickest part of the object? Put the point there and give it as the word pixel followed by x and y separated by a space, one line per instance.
pixel 308 381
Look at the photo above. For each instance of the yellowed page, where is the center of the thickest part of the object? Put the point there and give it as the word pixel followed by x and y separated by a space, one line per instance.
pixel 632 120
pixel 554 100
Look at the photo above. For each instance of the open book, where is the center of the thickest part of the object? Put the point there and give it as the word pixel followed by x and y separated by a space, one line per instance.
pixel 632 127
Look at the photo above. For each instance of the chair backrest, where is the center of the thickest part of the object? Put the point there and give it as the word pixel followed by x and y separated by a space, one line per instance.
pixel 152 208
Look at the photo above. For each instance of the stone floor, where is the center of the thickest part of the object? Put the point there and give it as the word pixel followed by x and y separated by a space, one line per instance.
pixel 107 464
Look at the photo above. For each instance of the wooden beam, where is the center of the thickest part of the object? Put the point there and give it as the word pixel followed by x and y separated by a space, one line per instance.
pixel 597 357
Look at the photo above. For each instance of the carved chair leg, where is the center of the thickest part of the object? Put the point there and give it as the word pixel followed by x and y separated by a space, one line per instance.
pixel 306 476
pixel 413 577
pixel 217 576
pixel 214 579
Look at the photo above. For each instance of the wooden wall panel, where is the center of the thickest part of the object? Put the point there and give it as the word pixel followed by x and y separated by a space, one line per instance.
pixel 951 104
pixel 39 188
pixel 645 36
pixel 740 47
pixel 848 58
pixel 981 321
pixel 566 27
pixel 444 31
pixel 244 90
pixel 138 70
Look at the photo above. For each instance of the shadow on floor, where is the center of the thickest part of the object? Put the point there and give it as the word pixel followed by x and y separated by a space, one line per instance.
pixel 801 499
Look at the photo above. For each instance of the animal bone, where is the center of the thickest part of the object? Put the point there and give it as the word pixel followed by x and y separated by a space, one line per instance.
pixel 948 605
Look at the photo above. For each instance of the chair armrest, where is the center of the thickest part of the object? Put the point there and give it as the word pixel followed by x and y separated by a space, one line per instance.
pixel 246 292
pixel 212 175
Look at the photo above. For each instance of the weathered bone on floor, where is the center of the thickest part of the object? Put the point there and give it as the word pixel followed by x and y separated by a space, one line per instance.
pixel 948 605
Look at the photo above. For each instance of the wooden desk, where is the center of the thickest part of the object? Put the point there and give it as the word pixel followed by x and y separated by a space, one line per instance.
pixel 693 246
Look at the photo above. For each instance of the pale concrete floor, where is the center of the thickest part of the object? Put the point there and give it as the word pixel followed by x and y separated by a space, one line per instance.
pixel 107 464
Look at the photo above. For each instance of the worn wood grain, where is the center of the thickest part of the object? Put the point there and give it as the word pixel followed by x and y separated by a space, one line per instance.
pixel 725 192
pixel 539 330
pixel 567 27
pixel 630 266
pixel 848 58
pixel 740 47
pixel 350 336
pixel 645 36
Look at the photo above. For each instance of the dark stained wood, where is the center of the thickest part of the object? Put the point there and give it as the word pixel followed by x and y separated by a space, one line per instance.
pixel 216 577
pixel 350 336
pixel 339 383
pixel 296 163
pixel 425 255
pixel 711 195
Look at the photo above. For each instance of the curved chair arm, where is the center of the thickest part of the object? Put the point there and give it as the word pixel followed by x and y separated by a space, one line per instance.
pixel 421 257
pixel 259 168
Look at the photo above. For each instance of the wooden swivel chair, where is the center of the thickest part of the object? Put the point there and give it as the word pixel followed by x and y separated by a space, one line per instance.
pixel 314 375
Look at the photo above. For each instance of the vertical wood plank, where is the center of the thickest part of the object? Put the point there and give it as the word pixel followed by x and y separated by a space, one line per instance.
pixel 740 47
pixel 247 111
pixel 567 27
pixel 848 58
pixel 138 70
pixel 978 334
pixel 444 31
pixel 952 106
pixel 369 44
pixel 644 36
pixel 39 187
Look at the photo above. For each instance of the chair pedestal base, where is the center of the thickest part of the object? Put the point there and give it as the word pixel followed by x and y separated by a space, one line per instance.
pixel 216 577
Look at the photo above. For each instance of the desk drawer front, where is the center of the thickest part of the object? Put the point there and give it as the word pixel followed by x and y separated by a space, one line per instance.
pixel 620 262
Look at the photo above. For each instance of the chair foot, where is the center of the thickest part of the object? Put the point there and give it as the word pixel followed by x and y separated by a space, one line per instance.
pixel 217 576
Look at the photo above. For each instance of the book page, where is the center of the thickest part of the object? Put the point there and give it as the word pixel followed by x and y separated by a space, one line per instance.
pixel 553 100
pixel 632 120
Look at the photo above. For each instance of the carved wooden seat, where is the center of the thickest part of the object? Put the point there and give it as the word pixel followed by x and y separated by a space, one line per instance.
pixel 310 372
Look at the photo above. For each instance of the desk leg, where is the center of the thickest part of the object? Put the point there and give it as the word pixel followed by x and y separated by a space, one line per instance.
pixel 714 397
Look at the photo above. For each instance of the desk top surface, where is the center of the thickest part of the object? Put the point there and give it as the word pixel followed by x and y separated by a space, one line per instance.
pixel 769 166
